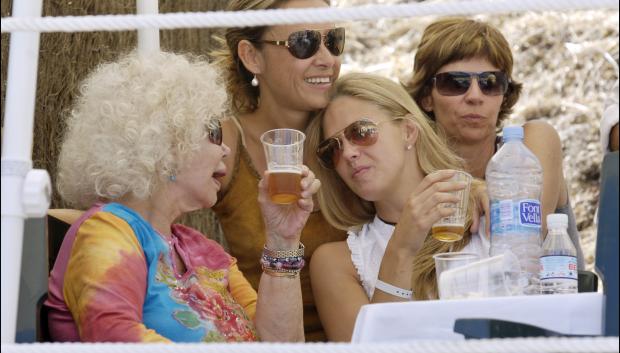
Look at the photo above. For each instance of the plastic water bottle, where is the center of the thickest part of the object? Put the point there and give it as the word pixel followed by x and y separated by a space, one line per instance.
pixel 558 263
pixel 514 183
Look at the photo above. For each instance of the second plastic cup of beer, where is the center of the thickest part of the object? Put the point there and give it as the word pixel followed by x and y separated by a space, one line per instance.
pixel 452 228
pixel 284 150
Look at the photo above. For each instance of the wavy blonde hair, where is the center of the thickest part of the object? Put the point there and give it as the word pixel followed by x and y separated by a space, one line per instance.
pixel 244 96
pixel 452 39
pixel 344 209
pixel 135 122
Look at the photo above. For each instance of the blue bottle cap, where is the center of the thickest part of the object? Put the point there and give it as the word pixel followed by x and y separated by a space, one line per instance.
pixel 512 132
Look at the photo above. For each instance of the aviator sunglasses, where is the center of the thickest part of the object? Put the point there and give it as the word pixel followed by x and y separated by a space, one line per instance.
pixel 456 83
pixel 304 44
pixel 214 132
pixel 363 132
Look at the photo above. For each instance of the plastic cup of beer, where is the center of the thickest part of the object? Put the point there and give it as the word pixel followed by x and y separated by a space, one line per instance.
pixel 284 150
pixel 451 228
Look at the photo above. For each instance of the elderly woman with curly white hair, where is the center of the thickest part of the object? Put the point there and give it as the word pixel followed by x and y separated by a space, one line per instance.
pixel 144 146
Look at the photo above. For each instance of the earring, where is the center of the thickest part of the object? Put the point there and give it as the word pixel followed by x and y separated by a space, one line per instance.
pixel 172 177
pixel 254 82
pixel 408 147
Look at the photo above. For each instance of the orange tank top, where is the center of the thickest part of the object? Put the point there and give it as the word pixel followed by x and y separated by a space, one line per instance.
pixel 242 224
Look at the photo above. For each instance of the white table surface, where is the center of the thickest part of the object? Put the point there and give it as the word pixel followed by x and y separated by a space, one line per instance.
pixel 580 313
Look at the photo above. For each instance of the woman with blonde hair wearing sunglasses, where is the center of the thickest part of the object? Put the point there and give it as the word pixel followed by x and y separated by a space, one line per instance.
pixel 384 173
pixel 276 77
pixel 463 80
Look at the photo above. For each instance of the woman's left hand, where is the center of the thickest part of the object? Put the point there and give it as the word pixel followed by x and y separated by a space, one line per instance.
pixel 283 223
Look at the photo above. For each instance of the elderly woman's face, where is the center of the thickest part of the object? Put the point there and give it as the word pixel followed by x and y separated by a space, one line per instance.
pixel 301 84
pixel 200 179
pixel 471 116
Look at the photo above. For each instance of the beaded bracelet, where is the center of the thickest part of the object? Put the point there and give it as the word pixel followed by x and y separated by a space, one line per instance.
pixel 289 263
pixel 283 263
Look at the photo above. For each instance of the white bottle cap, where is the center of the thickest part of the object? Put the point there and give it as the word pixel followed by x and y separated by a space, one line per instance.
pixel 557 220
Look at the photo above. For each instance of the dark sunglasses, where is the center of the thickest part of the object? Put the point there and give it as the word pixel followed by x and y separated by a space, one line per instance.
pixel 456 83
pixel 363 132
pixel 214 132
pixel 304 44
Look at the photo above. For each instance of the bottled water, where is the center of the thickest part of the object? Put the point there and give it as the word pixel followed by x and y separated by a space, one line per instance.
pixel 558 263
pixel 514 183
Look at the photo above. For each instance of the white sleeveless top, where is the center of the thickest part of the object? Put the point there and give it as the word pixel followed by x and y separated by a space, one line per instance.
pixel 368 245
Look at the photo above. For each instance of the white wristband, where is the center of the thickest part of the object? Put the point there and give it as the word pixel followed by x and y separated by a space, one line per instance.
pixel 393 290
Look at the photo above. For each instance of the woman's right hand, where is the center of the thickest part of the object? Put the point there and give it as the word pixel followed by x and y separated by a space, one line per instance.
pixel 284 223
pixel 423 208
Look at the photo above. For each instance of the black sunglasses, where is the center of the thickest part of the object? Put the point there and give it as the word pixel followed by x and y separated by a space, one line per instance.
pixel 456 83
pixel 363 132
pixel 304 44
pixel 214 132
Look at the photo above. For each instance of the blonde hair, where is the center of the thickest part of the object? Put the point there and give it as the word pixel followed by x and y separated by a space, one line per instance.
pixel 343 208
pixel 452 39
pixel 136 121
pixel 244 96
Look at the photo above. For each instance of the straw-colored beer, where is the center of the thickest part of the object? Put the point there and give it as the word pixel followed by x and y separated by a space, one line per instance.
pixel 448 232
pixel 284 186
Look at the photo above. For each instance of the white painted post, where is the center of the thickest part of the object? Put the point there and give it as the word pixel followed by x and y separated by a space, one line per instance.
pixel 148 38
pixel 17 156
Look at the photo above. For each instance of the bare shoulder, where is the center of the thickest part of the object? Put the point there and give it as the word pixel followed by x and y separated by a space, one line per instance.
pixel 541 136
pixel 331 256
pixel 539 129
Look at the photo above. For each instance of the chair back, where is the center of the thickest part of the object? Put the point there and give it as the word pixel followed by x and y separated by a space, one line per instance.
pixel 42 326
pixel 57 224
pixel 607 241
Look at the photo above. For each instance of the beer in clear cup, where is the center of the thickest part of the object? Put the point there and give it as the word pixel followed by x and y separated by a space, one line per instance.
pixel 452 228
pixel 284 149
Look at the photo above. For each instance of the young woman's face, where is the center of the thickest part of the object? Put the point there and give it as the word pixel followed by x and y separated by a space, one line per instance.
pixel 471 116
pixel 370 171
pixel 297 84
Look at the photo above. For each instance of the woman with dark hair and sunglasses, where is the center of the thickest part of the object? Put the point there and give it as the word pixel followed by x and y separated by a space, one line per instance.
pixel 276 77
pixel 384 173
pixel 143 147
pixel 463 81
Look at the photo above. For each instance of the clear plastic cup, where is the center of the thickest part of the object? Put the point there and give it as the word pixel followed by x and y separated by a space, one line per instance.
pixel 452 228
pixel 284 150
pixel 460 277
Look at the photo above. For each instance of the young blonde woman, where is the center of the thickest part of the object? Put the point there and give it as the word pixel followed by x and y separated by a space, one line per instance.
pixel 276 77
pixel 384 174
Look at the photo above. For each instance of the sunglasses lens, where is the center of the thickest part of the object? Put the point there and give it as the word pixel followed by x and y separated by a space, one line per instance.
pixel 362 133
pixel 493 83
pixel 328 153
pixel 334 41
pixel 452 83
pixel 215 132
pixel 304 44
